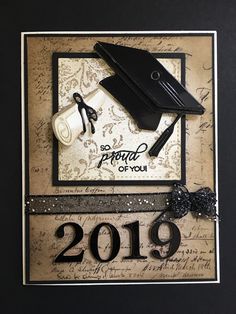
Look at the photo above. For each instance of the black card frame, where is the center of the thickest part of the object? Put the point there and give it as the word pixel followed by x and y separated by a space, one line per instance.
pixel 56 182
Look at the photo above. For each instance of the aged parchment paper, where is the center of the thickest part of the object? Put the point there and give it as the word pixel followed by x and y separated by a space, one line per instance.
pixel 195 258
pixel 199 141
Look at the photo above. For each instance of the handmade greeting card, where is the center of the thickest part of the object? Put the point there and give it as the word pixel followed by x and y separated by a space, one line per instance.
pixel 119 140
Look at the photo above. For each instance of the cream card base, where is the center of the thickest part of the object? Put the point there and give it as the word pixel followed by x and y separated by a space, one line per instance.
pixel 47 208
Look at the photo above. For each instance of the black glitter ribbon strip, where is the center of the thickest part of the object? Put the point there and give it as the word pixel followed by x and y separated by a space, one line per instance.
pixel 90 204
pixel 176 204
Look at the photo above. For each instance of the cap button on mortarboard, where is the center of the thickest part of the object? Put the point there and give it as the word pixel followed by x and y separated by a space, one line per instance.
pixel 155 75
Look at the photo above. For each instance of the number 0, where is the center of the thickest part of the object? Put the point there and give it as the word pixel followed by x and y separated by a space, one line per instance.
pixel 115 247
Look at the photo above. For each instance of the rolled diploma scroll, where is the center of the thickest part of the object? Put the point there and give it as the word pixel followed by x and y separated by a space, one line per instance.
pixel 67 123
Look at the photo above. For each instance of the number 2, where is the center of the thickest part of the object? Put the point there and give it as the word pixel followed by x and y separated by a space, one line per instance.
pixel 78 236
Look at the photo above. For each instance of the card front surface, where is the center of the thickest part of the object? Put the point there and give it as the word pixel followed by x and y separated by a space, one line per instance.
pixel 98 210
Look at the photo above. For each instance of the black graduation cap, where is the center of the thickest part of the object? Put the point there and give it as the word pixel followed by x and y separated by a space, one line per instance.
pixel 146 89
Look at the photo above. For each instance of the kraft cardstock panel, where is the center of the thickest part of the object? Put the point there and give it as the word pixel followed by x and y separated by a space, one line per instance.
pixel 115 128
pixel 194 259
pixel 199 137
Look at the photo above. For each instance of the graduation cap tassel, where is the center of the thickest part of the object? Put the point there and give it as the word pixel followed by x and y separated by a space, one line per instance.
pixel 157 147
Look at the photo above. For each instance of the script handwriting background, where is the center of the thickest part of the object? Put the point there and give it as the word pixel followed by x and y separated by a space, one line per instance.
pixel 196 256
pixel 199 131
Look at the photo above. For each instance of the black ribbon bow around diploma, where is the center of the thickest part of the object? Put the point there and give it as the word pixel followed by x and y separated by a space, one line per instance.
pixel 181 202
pixel 89 111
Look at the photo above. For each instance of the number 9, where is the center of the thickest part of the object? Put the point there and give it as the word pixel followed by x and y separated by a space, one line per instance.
pixel 173 241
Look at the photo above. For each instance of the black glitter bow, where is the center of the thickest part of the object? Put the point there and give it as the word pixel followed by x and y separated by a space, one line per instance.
pixel 202 202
